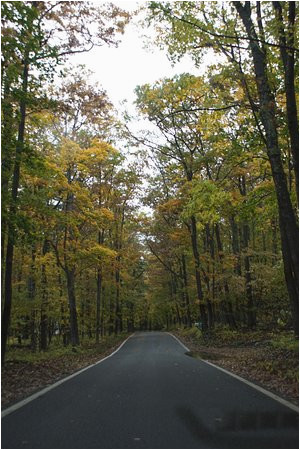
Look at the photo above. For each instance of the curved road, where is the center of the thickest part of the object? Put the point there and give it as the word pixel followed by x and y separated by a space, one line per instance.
pixel 150 394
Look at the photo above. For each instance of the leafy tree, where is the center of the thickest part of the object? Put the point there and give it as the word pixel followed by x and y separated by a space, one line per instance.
pixel 30 52
pixel 248 44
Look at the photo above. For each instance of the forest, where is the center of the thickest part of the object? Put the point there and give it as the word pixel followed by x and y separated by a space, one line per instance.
pixel 189 223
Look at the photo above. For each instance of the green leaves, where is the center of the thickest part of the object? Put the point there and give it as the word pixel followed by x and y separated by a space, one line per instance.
pixel 205 200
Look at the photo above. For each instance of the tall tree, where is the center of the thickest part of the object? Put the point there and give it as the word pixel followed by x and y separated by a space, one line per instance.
pixel 243 40
pixel 29 46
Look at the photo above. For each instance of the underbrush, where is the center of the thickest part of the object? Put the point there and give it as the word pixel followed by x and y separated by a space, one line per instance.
pixel 222 335
pixel 285 341
pixel 58 350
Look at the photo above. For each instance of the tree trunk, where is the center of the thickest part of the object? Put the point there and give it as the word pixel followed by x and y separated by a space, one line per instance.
pixel 227 303
pixel 31 296
pixel 72 307
pixel 186 292
pixel 7 143
pixel 103 331
pixel 251 316
pixel 12 213
pixel 118 318
pixel 193 231
pixel 235 245
pixel 98 304
pixel 288 60
pixel 274 241
pixel 287 220
pixel 99 291
pixel 44 318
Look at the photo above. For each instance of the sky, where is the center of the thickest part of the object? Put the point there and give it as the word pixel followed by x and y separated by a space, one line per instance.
pixel 119 70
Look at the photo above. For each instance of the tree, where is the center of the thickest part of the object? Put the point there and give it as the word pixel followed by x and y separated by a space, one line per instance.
pixel 197 26
pixel 28 46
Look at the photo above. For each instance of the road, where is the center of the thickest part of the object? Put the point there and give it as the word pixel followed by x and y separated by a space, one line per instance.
pixel 150 394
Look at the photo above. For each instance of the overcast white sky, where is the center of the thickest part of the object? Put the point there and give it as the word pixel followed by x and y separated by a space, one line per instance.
pixel 119 70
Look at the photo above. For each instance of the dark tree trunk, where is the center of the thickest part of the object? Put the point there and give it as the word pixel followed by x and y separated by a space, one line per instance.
pixel 118 318
pixel 103 331
pixel 235 245
pixel 70 274
pixel 290 278
pixel 274 240
pixel 186 292
pixel 7 148
pixel 193 231
pixel 44 318
pixel 174 295
pixel 98 304
pixel 227 303
pixel 287 220
pixel 12 213
pixel 210 286
pixel 31 296
pixel 99 292
pixel 251 316
pixel 118 247
pixel 288 60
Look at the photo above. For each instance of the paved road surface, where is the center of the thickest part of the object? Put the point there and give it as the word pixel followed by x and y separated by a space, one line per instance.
pixel 151 395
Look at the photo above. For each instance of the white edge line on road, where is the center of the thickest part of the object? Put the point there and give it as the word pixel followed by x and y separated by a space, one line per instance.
pixel 182 345
pixel 32 397
pixel 249 383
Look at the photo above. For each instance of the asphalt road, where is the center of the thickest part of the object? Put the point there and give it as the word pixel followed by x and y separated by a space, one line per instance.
pixel 150 394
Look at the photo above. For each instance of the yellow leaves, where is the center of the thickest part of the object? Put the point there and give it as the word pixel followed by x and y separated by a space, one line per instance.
pixel 95 252
pixel 236 197
pixel 101 218
pixel 106 214
pixel 178 236
pixel 35 181
pixel 97 153
pixel 170 206
pixel 68 152
pixel 239 93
